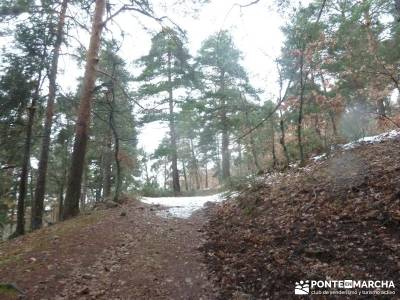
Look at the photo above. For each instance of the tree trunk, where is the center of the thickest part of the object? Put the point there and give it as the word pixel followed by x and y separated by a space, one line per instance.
pixel 373 49
pixel 165 175
pixel 63 181
pixel 206 177
pixel 84 189
pixel 240 158
pixel 146 169
pixel 118 175
pixel 107 166
pixel 251 136
pixel 118 178
pixel 254 153
pixel 217 160
pixel 38 203
pixel 226 172
pixel 300 117
pixel 381 107
pixel 60 201
pixel 174 153
pixel 283 139
pixel 20 230
pixel 82 125
pixel 331 112
pixel 274 160
pixel 185 176
pixel 195 164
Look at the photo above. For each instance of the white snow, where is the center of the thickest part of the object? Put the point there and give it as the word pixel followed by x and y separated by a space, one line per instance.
pixel 372 139
pixel 365 140
pixel 319 157
pixel 181 207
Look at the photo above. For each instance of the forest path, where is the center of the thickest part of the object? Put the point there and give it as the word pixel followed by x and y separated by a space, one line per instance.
pixel 129 252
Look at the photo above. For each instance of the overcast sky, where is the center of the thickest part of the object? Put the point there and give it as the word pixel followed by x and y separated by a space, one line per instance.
pixel 256 31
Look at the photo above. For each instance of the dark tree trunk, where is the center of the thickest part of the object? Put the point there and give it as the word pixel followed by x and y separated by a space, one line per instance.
pixel 373 49
pixel 82 125
pixel 107 166
pixel 240 158
pixel 226 170
pixel 274 160
pixel 146 169
pixel 330 111
pixel 206 177
pixel 60 201
pixel 226 164
pixel 63 181
pixel 118 175
pixel 381 107
pixel 251 136
pixel 254 152
pixel 38 203
pixel 20 230
pixel 333 121
pixel 174 153
pixel 217 160
pixel 84 189
pixel 165 175
pixel 282 139
pixel 118 178
pixel 185 176
pixel 300 117
pixel 195 164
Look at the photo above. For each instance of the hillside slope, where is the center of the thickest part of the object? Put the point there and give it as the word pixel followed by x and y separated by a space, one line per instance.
pixel 127 252
pixel 337 218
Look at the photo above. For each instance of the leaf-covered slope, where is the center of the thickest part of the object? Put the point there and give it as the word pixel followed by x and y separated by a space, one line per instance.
pixel 338 218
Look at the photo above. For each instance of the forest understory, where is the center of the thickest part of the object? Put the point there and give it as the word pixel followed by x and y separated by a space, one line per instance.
pixel 308 222
pixel 110 109
pixel 333 219
pixel 126 252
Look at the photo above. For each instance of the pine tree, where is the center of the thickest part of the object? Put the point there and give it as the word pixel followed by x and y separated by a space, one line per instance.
pixel 72 198
pixel 166 69
pixel 218 62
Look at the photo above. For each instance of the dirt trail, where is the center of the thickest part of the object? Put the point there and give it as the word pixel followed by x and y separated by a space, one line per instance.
pixel 109 255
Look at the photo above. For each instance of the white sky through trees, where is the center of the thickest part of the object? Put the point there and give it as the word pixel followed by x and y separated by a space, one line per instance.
pixel 256 32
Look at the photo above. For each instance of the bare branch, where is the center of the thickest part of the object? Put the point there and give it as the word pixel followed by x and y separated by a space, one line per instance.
pixel 249 4
pixel 269 115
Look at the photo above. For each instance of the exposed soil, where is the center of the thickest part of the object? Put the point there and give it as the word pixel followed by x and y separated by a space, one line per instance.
pixel 109 255
pixel 335 219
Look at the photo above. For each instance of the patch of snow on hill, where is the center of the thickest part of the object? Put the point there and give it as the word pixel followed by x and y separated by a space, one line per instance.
pixel 181 207
pixel 365 140
pixel 372 139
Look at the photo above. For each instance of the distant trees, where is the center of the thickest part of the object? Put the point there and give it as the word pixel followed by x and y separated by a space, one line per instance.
pixel 38 202
pixel 166 69
pixel 33 40
pixel 338 76
pixel 25 72
pixel 221 74
pixel 115 123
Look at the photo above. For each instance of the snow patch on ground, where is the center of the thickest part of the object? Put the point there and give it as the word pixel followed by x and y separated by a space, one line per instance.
pixel 372 139
pixel 365 140
pixel 319 157
pixel 181 207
